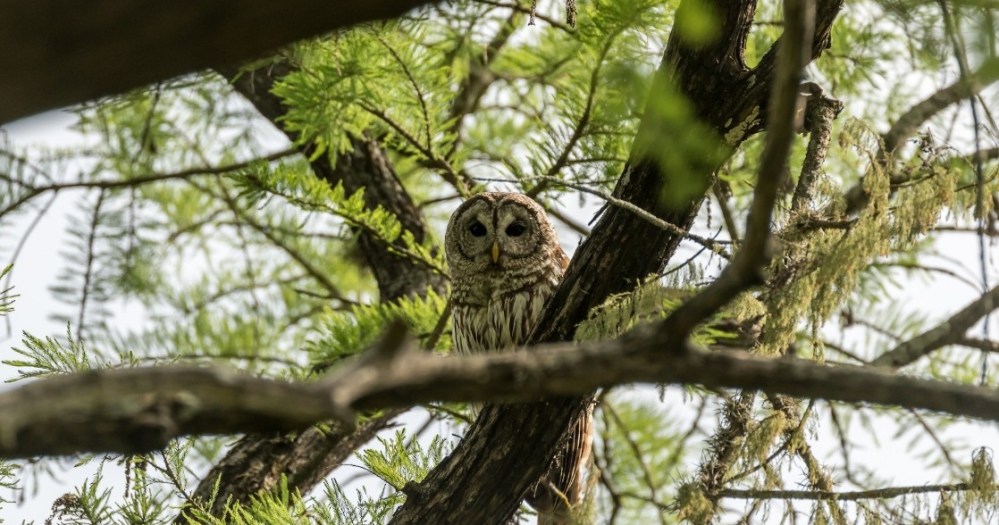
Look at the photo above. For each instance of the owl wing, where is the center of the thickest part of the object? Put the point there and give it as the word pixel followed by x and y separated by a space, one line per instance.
pixel 561 260
pixel 566 472
pixel 564 480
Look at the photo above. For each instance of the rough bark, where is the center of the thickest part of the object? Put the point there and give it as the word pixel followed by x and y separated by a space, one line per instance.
pixel 509 447
pixel 366 167
pixel 55 52
pixel 258 461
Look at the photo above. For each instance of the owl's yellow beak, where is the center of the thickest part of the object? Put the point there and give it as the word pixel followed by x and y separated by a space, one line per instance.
pixel 495 252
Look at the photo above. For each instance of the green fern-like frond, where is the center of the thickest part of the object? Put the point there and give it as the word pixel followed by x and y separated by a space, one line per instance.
pixel 652 301
pixel 7 295
pixel 343 334
pixel 402 460
pixel 43 357
pixel 300 187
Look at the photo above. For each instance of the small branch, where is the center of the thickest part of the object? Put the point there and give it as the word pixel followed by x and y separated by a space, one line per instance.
pixel 302 261
pixel 819 114
pixel 726 441
pixel 527 11
pixel 88 270
pixel 21 242
pixel 460 181
pixel 145 179
pixel 420 97
pixel 984 155
pixel 727 216
pixel 914 266
pixel 581 123
pixel 809 224
pixel 963 88
pixel 567 220
pixel 478 80
pixel 636 450
pixel 819 495
pixel 985 345
pixel 951 331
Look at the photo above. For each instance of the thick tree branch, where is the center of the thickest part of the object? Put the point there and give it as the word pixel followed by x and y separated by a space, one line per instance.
pixel 140 409
pixel 365 167
pixel 55 53
pixel 951 331
pixel 303 458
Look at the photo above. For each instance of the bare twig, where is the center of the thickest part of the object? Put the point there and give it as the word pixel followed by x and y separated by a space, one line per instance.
pixel 527 11
pixel 145 179
pixel 985 345
pixel 608 409
pixel 17 253
pixel 727 216
pixel 582 122
pixel 88 269
pixel 891 492
pixel 459 180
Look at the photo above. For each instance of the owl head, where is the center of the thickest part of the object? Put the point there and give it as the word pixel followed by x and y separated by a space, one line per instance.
pixel 499 232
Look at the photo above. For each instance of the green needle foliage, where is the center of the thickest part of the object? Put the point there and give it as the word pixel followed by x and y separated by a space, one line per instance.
pixel 202 232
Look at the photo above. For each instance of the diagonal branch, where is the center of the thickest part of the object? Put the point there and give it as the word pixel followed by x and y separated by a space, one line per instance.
pixel 962 89
pixel 906 125
pixel 951 331
pixel 747 266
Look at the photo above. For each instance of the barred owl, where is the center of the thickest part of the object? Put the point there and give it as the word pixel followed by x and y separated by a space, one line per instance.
pixel 505 263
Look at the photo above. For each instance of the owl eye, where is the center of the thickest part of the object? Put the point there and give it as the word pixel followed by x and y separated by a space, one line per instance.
pixel 515 229
pixel 477 229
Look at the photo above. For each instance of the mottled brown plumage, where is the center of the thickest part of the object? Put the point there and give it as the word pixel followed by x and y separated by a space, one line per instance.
pixel 505 263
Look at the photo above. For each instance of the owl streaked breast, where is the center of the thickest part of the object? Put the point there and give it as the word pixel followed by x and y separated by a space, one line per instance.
pixel 505 263
pixel 501 321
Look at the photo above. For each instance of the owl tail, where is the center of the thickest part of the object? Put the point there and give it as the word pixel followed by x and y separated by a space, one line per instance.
pixel 560 492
